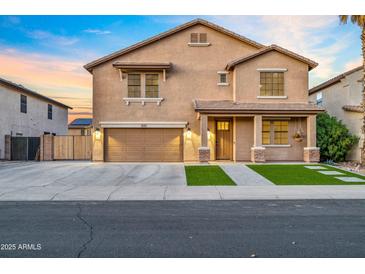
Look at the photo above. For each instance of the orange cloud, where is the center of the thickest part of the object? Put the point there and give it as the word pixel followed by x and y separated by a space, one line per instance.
pixel 44 70
pixel 63 80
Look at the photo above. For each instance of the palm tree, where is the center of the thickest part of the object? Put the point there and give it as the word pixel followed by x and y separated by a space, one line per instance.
pixel 360 21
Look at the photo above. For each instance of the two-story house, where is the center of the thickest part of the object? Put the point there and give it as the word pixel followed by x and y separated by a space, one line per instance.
pixel 24 112
pixel 341 97
pixel 200 92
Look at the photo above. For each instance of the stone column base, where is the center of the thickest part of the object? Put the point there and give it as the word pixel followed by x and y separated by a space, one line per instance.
pixel 204 154
pixel 311 154
pixel 258 154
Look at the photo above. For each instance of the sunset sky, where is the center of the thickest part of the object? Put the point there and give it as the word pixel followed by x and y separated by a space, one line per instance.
pixel 47 53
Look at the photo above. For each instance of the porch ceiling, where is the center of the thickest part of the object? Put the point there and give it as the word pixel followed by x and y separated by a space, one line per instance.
pixel 231 107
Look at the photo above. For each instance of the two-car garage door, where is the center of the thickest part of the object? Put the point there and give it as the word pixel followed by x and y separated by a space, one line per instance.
pixel 143 144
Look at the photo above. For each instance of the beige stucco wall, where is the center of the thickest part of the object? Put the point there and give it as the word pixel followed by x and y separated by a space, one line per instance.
pixel 193 76
pixel 31 124
pixel 247 78
pixel 244 138
pixel 346 92
pixel 295 151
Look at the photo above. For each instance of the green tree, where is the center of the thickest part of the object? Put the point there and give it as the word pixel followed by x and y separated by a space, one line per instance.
pixel 333 138
pixel 360 21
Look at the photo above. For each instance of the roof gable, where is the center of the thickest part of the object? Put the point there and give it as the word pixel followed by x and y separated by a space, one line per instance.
pixel 25 90
pixel 286 52
pixel 170 32
pixel 333 80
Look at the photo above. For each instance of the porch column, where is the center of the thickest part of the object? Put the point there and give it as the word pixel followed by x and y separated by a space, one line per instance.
pixel 204 151
pixel 257 151
pixel 311 151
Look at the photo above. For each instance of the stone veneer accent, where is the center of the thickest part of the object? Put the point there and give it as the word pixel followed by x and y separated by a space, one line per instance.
pixel 204 154
pixel 258 154
pixel 311 154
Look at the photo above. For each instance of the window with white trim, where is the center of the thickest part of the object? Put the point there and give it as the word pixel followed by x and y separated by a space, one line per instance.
pixel 134 85
pixel 198 38
pixel 275 132
pixel 272 83
pixel 143 85
pixel 319 98
pixel 223 78
pixel 151 85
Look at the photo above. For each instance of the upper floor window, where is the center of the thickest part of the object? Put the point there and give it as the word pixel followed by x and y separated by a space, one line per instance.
pixel 134 85
pixel 198 39
pixel 275 132
pixel 49 112
pixel 222 78
pixel 271 83
pixel 151 85
pixel 319 98
pixel 23 103
pixel 143 85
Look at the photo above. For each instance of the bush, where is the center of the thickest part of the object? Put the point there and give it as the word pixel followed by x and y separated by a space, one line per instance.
pixel 333 138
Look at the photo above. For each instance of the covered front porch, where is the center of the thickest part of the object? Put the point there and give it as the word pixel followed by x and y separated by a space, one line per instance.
pixel 259 136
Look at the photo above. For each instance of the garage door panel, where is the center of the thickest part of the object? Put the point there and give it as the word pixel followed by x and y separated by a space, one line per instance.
pixel 143 145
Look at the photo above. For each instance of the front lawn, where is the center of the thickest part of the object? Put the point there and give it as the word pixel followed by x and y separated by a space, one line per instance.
pixel 299 175
pixel 207 176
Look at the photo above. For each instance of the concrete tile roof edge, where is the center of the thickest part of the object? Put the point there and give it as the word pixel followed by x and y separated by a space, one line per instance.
pixel 333 80
pixel 31 92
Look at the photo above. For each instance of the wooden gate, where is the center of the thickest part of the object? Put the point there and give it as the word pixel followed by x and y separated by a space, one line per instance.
pixel 71 147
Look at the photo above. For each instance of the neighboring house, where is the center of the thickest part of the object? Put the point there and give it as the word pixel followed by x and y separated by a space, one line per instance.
pixel 341 96
pixel 24 112
pixel 80 126
pixel 201 92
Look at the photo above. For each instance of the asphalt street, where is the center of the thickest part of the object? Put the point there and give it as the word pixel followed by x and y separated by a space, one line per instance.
pixel 257 229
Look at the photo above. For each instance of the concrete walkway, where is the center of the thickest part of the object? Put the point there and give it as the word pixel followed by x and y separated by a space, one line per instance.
pixel 113 193
pixel 244 176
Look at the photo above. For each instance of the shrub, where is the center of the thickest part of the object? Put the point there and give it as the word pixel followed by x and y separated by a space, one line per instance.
pixel 333 138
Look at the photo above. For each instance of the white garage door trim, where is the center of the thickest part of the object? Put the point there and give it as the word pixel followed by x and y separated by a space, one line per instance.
pixel 143 124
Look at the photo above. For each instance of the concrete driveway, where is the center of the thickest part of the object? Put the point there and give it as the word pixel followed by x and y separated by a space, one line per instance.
pixel 77 181
pixel 85 180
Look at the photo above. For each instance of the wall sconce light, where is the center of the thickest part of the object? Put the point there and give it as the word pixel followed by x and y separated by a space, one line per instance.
pixel 188 133
pixel 97 134
pixel 208 134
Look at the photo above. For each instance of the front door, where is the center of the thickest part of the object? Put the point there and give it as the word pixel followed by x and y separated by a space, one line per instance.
pixel 223 140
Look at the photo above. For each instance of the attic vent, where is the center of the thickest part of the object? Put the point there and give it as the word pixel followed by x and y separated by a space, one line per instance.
pixel 198 40
pixel 194 38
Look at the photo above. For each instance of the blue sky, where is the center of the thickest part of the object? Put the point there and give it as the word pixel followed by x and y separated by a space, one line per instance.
pixel 47 53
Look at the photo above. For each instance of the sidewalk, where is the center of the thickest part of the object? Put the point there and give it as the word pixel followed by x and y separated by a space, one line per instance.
pixel 113 193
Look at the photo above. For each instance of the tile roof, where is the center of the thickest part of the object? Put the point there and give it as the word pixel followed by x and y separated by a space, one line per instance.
pixel 303 59
pixel 353 108
pixel 334 80
pixel 229 106
pixel 25 90
pixel 162 35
